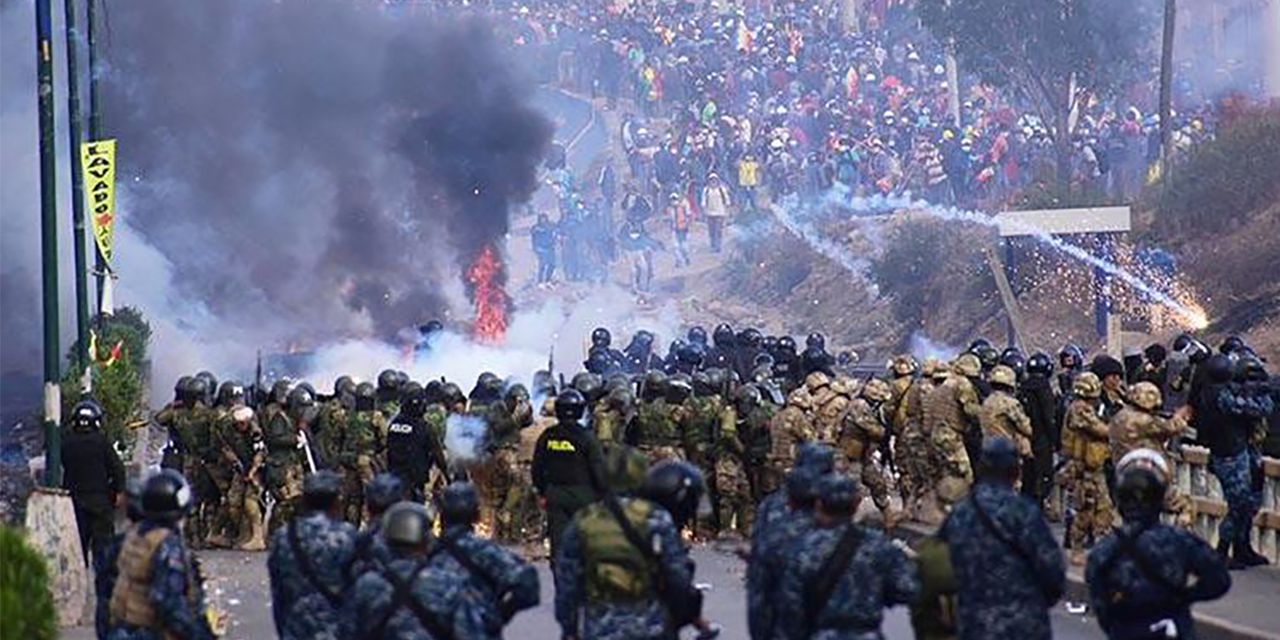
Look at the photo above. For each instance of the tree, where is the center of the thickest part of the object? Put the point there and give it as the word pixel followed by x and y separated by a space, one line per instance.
pixel 1054 55
pixel 25 598
pixel 117 385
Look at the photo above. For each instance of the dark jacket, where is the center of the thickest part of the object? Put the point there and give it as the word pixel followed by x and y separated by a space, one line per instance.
pixel 1041 405
pixel 93 471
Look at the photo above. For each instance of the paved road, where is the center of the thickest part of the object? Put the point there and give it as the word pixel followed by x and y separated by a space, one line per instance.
pixel 239 586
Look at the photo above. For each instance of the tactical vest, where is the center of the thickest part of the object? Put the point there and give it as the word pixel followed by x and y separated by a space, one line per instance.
pixel 616 572
pixel 129 600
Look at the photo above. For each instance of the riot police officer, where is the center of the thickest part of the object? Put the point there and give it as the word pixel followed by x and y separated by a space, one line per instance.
pixel 93 474
pixel 412 447
pixel 567 466
pixel 308 563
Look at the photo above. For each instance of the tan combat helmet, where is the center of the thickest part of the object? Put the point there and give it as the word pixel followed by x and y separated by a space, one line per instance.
pixel 877 390
pixel 1004 376
pixel 903 366
pixel 968 365
pixel 1087 385
pixel 1145 396
pixel 816 381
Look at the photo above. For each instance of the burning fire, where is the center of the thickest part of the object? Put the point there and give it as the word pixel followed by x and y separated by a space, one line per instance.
pixel 485 278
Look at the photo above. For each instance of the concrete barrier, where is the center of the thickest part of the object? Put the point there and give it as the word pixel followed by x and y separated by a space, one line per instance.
pixel 51 528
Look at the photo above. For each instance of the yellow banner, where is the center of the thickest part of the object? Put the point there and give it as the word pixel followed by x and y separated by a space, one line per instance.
pixel 98 162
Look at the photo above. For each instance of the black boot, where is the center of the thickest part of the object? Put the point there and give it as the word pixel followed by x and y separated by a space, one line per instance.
pixel 1235 563
pixel 1224 549
pixel 1245 555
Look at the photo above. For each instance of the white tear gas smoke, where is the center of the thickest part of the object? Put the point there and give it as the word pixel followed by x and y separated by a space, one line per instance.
pixel 557 330
pixel 463 436
pixel 840 197
pixel 920 346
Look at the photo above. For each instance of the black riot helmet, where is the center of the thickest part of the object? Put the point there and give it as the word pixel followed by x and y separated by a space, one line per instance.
pixel 407 526
pixel 1231 345
pixel 166 496
pixel 751 338
pixel 770 344
pixel 1249 368
pixel 701 383
pixel 590 385
pixel 643 339
pixel 570 406
pixel 230 394
pixel 366 397
pixel 452 395
pixel 601 338
pixel 1015 361
pixel 280 391
pixel 300 399
pixel 180 388
pixel 679 388
pixel 210 387
pixel 1070 357
pixel 677 487
pixel 1183 341
pixel 988 356
pixel 655 386
pixel 309 388
pixel 86 416
pixel 978 344
pixel 816 341
pixel 1040 364
pixel 388 383
pixel 1219 367
pixel 697 335
pixel 599 362
pixel 723 336
pixel 344 385
pixel 460 504
pixel 718 379
pixel 787 345
pixel 1140 492
pixel 746 399
pixel 433 392
pixel 321 490
pixel 414 400
pixel 487 391
pixel 198 390
pixel 690 354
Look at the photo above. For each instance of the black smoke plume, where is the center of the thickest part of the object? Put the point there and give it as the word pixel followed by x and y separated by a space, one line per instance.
pixel 318 167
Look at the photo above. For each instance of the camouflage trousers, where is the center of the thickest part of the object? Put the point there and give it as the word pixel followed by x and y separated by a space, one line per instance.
pixel 735 508
pixel 1091 503
pixel 243 522
pixel 504 494
pixel 206 500
pixel 915 468
pixel 1235 474
pixel 955 472
pixel 355 478
pixel 874 481
pixel 284 484
pixel 530 521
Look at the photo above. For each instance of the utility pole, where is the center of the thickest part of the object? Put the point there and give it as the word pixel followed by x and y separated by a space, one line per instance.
pixel 1166 87
pixel 100 267
pixel 49 243
pixel 77 196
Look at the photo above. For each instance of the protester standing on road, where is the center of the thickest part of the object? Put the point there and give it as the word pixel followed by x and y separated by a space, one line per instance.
pixel 715 206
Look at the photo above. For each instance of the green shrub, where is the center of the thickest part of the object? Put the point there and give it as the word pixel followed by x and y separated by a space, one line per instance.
pixel 1222 180
pixel 26 605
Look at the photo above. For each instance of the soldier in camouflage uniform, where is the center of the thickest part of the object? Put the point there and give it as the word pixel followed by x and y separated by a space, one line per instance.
pixel 1085 443
pixel 841 576
pixel 705 415
pixel 157 593
pixel 506 420
pixel 829 406
pixel 783 516
pixel 1002 415
pixel 189 424
pixel 331 424
pixel 611 416
pixel 1004 554
pixel 902 370
pixel 286 461
pixel 607 583
pixel 309 562
pixel 950 411
pixel 240 445
pixel 734 504
pixel 1140 577
pixel 362 451
pixel 418 595
pixel 791 428
pixel 173 417
pixel 500 581
pixel 913 451
pixel 388 392
pixel 1141 425
pixel 531 522
pixel 864 432
pixel 657 426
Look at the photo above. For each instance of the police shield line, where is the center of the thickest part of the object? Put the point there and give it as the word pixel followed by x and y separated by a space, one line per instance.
pixel 371 521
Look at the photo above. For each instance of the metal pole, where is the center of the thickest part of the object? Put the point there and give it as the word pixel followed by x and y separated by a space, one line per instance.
pixel 49 242
pixel 95 133
pixel 77 195
pixel 1166 86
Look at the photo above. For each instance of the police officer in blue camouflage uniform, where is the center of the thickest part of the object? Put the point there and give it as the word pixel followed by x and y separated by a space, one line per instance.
pixel 841 576
pixel 419 595
pixel 105 574
pixel 500 580
pixel 310 563
pixel 1140 576
pixel 385 490
pixel 782 516
pixel 157 592
pixel 1006 560
pixel 623 572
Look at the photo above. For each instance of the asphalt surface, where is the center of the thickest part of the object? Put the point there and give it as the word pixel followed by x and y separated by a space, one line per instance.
pixel 238 585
